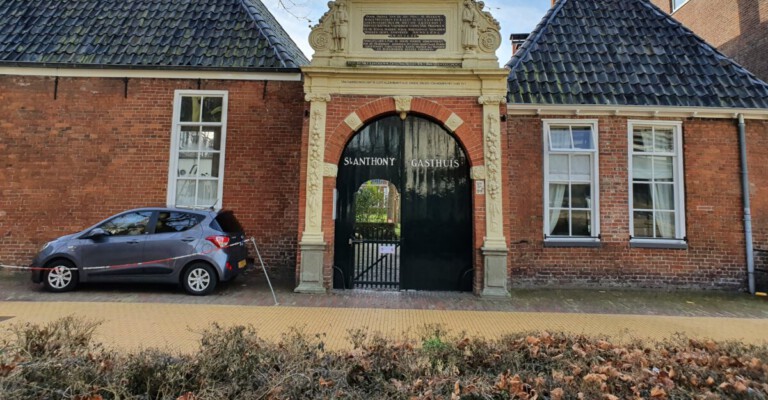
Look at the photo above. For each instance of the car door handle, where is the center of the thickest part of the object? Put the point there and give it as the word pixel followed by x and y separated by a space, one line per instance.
pixel 133 242
pixel 188 240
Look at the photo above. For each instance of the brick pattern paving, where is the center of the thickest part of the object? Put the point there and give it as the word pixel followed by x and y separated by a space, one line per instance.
pixel 177 327
pixel 250 289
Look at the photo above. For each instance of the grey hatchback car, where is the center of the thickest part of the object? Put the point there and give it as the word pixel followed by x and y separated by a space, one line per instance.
pixel 196 248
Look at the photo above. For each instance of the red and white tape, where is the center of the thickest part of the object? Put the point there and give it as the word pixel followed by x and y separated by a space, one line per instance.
pixel 119 266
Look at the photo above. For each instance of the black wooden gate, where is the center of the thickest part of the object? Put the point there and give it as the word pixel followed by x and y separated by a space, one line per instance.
pixel 375 257
pixel 418 233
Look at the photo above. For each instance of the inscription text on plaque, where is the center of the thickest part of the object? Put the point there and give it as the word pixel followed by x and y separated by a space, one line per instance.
pixel 403 25
pixel 403 32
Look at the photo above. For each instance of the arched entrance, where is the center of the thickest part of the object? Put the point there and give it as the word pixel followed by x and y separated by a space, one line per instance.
pixel 403 210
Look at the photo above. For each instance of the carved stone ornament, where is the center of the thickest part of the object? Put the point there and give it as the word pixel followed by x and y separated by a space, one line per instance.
pixel 454 122
pixel 477 173
pixel 403 105
pixel 315 170
pixel 493 173
pixel 490 40
pixel 491 100
pixel 353 121
pixel 479 30
pixel 320 40
pixel 330 170
pixel 332 31
pixel 322 97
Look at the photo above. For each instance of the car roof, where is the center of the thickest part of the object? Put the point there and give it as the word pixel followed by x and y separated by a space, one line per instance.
pixel 176 209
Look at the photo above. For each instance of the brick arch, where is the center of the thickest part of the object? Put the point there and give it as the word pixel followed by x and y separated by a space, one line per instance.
pixel 472 144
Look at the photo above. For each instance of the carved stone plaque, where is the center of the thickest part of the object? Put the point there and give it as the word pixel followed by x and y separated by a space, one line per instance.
pixel 404 44
pixel 403 32
pixel 403 26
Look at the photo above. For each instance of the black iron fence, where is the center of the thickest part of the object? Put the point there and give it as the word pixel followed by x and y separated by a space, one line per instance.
pixel 376 256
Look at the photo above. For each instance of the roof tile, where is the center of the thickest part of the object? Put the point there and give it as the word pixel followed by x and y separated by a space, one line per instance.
pixel 625 52
pixel 219 34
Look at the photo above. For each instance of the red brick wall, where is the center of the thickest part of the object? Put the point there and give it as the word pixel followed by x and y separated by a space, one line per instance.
pixel 757 143
pixel 665 5
pixel 737 28
pixel 715 256
pixel 70 162
pixel 369 108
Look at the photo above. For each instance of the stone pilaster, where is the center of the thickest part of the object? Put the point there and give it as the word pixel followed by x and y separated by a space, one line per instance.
pixel 495 244
pixel 312 242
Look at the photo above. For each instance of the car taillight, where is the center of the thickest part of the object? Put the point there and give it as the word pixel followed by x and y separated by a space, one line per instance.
pixel 220 241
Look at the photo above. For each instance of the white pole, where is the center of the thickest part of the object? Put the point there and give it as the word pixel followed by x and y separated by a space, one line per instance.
pixel 263 267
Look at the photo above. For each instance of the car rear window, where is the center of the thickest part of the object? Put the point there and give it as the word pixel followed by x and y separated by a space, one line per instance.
pixel 226 222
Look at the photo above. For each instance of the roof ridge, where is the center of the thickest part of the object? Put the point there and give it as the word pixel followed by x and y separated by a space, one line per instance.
pixel 703 43
pixel 280 49
pixel 535 35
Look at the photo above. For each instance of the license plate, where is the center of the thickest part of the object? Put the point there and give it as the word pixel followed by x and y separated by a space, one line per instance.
pixel 241 264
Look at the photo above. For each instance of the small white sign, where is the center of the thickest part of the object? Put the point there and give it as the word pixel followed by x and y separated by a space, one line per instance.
pixel 387 249
pixel 479 187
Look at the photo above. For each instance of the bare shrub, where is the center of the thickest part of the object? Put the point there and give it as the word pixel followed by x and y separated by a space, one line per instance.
pixel 61 361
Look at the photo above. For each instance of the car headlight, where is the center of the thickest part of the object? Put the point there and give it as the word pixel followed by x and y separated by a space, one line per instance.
pixel 45 246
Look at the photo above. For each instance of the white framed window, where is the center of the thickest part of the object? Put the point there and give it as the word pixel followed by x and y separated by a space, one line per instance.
pixel 656 187
pixel 677 4
pixel 571 193
pixel 198 143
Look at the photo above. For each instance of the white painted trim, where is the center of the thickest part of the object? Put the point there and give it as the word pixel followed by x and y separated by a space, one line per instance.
pixel 148 73
pixel 595 153
pixel 658 241
pixel 575 239
pixel 174 153
pixel 636 111
pixel 679 183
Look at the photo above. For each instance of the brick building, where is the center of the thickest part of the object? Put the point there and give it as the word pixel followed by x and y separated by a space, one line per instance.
pixel 92 93
pixel 739 29
pixel 607 153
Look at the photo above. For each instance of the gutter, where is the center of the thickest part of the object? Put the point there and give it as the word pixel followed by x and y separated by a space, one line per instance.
pixel 747 209
pixel 194 68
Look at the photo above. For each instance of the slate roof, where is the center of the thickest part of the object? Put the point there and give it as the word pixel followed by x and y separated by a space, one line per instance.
pixel 625 52
pixel 165 34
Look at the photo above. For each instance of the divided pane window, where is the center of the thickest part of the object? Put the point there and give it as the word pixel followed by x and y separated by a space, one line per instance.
pixel 570 185
pixel 656 182
pixel 198 153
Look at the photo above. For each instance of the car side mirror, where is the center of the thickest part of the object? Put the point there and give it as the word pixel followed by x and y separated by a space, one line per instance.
pixel 96 233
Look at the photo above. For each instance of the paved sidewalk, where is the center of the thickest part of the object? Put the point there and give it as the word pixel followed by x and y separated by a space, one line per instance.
pixel 130 326
pixel 250 289
pixel 136 316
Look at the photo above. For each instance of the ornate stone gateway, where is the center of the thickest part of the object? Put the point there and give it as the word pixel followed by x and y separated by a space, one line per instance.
pixel 404 60
pixel 404 209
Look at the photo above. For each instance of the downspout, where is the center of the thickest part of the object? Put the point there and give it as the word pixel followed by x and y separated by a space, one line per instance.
pixel 747 210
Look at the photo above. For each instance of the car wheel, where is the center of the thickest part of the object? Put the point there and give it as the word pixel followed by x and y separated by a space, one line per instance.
pixel 199 279
pixel 60 276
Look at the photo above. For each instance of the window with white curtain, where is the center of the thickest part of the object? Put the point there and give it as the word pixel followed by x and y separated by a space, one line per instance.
pixel 196 174
pixel 570 180
pixel 656 186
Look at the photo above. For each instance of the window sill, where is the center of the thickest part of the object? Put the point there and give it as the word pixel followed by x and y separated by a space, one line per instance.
pixel 572 242
pixel 674 244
